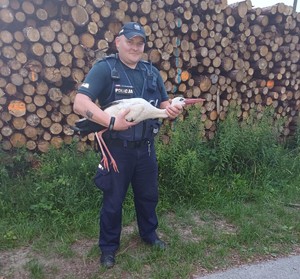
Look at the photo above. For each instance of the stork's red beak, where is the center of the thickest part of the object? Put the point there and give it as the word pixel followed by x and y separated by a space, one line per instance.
pixel 193 101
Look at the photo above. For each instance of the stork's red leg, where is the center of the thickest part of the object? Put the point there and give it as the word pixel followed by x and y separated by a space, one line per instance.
pixel 103 146
pixel 104 157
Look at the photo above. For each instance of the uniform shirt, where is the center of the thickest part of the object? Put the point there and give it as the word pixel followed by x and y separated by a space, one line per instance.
pixel 98 82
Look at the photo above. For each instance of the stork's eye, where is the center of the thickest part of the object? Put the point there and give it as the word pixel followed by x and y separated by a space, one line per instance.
pixel 181 99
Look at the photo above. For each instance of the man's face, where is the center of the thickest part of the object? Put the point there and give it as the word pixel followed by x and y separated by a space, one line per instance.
pixel 130 50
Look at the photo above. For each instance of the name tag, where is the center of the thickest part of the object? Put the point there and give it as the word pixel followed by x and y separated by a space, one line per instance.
pixel 123 89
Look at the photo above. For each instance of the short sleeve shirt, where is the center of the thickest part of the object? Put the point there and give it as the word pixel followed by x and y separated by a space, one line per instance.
pixel 98 82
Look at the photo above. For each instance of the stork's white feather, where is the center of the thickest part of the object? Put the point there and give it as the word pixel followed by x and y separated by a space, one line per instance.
pixel 140 109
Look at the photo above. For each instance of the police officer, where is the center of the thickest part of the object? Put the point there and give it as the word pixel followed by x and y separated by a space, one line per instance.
pixel 120 76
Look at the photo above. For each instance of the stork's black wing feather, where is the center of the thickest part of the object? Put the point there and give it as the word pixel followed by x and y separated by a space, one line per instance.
pixel 85 126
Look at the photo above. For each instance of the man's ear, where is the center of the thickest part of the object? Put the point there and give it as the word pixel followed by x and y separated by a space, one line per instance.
pixel 117 42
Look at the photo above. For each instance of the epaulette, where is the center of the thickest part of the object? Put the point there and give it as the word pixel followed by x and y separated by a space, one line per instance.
pixel 107 57
pixel 114 55
pixel 145 61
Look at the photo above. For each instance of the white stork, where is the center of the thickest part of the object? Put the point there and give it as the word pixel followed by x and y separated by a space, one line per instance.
pixel 139 110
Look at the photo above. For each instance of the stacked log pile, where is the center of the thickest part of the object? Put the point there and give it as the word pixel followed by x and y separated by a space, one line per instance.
pixel 231 55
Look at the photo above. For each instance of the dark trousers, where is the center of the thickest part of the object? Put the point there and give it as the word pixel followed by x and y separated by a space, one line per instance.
pixel 138 167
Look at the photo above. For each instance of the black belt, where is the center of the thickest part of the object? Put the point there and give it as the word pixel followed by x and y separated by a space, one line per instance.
pixel 125 143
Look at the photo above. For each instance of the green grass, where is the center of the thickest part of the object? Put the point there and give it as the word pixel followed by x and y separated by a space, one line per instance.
pixel 234 197
pixel 35 269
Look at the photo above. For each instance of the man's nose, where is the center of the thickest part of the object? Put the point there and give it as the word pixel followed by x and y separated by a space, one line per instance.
pixel 135 46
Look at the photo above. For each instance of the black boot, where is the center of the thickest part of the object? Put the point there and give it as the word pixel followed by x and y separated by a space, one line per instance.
pixel 157 243
pixel 107 259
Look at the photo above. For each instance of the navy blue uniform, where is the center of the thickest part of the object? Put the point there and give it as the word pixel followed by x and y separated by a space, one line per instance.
pixel 133 149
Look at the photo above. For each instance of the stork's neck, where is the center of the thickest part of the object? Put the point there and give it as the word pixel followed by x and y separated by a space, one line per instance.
pixel 162 113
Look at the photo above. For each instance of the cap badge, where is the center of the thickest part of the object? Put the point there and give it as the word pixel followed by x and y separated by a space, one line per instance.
pixel 136 27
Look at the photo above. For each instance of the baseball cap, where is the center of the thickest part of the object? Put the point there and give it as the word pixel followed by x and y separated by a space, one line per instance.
pixel 132 29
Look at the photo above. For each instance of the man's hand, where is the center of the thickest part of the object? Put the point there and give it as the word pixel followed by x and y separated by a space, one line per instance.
pixel 121 123
pixel 174 110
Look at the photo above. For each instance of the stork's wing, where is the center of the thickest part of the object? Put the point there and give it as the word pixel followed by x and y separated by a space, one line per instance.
pixel 136 105
pixel 136 113
pixel 85 127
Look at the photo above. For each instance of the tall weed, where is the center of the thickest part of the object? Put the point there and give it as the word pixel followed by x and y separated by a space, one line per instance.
pixel 183 164
pixel 252 148
pixel 244 159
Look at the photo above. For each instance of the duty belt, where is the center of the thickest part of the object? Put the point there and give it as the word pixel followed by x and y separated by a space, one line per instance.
pixel 127 144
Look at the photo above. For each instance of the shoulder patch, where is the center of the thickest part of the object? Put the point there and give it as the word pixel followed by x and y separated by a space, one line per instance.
pixel 86 85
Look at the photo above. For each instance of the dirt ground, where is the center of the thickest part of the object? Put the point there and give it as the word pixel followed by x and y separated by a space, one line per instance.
pixel 14 263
